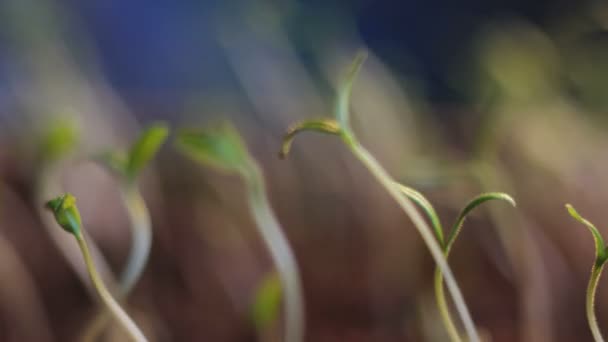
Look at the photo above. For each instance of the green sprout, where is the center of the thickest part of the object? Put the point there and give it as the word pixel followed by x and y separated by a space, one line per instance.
pixel 340 126
pixel 128 166
pixel 222 148
pixel 601 255
pixel 447 244
pixel 267 301
pixel 58 141
pixel 68 217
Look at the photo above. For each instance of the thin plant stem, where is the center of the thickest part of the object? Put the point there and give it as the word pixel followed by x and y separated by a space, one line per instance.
pixel 47 184
pixel 444 309
pixel 114 308
pixel 596 272
pixel 280 252
pixel 425 231
pixel 141 229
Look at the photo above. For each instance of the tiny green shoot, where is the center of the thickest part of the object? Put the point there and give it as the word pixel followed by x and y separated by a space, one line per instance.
pixel 446 245
pixel 601 255
pixel 67 216
pixel 222 148
pixel 57 142
pixel 58 139
pixel 127 165
pixel 340 126
pixel 266 301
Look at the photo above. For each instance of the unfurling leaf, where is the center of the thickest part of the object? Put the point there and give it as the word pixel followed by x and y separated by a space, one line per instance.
pixel 427 207
pixel 66 213
pixel 219 146
pixel 474 203
pixel 145 148
pixel 329 126
pixel 600 246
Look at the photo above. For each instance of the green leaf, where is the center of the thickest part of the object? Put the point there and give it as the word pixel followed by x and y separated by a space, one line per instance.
pixel 145 148
pixel 600 246
pixel 267 301
pixel 219 146
pixel 342 104
pixel 59 138
pixel 329 126
pixel 66 213
pixel 427 207
pixel 474 203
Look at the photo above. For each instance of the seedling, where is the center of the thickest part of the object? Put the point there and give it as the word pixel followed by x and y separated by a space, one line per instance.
pixel 222 147
pixel 57 142
pixel 127 166
pixel 340 126
pixel 68 217
pixel 601 255
pixel 447 244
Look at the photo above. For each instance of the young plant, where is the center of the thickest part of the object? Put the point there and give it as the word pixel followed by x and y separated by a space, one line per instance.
pixel 127 166
pixel 601 255
pixel 57 142
pixel 222 147
pixel 68 217
pixel 446 244
pixel 340 126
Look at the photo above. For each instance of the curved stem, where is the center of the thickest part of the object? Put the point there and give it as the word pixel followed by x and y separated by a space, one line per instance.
pixel 444 309
pixel 388 183
pixel 596 272
pixel 281 254
pixel 141 235
pixel 119 314
pixel 141 231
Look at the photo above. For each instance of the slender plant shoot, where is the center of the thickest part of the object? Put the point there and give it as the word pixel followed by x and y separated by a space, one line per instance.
pixel 68 217
pixel 58 141
pixel 340 126
pixel 446 245
pixel 127 166
pixel 601 255
pixel 222 147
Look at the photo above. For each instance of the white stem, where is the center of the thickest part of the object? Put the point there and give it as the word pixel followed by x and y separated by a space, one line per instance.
pixel 281 255
pixel 115 309
pixel 141 235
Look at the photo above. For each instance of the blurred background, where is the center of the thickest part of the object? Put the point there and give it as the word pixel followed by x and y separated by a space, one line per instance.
pixel 456 98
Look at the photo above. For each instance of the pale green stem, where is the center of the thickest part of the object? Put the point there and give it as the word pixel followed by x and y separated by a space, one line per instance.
pixel 141 230
pixel 442 303
pixel 139 218
pixel 444 309
pixel 114 308
pixel 47 186
pixel 596 272
pixel 425 231
pixel 280 252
